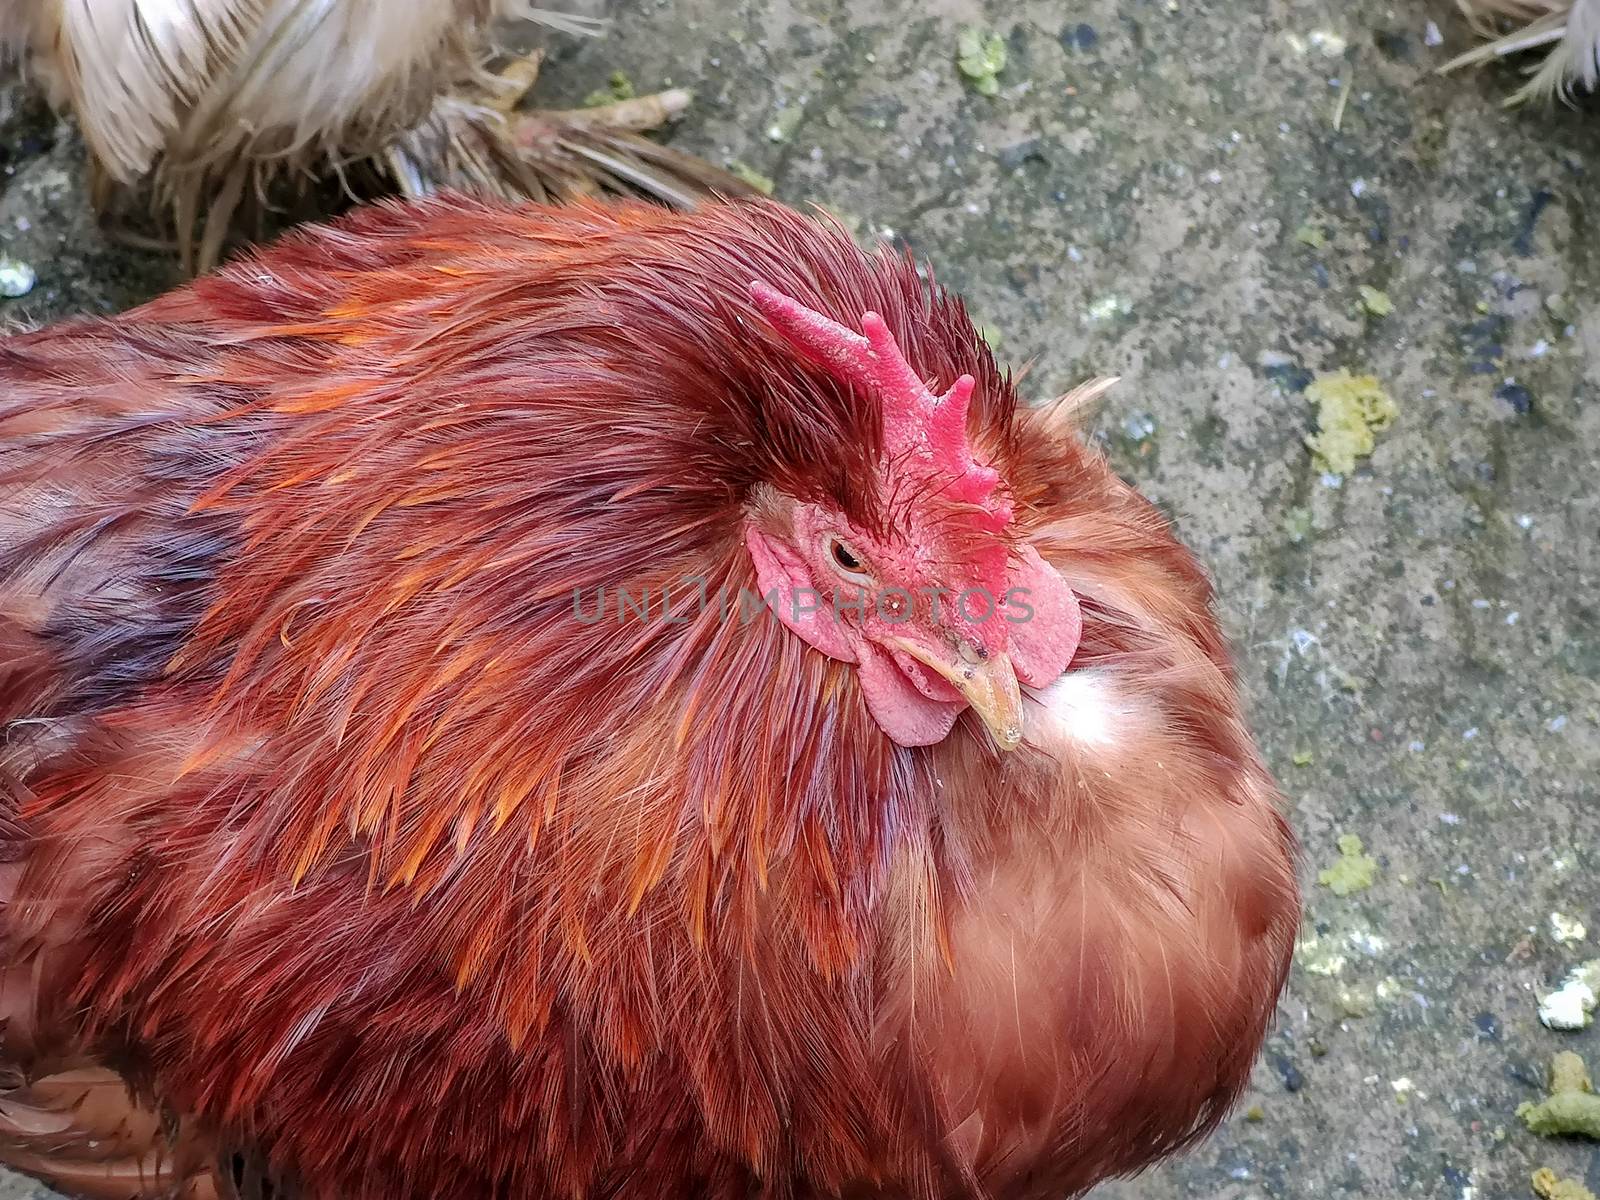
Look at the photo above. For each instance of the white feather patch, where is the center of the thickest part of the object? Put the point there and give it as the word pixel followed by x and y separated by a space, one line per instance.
pixel 1083 706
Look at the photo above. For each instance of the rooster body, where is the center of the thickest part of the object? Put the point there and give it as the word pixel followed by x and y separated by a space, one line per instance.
pixel 219 100
pixel 340 829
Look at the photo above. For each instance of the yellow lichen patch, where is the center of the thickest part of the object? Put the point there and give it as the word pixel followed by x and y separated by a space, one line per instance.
pixel 1571 1108
pixel 618 87
pixel 762 183
pixel 1551 1187
pixel 1351 411
pixel 1353 871
pixel 1376 302
pixel 1311 235
pixel 981 56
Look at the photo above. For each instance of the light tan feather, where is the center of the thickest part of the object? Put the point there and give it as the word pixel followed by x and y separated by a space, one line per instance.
pixel 207 83
pixel 219 100
pixel 1571 28
pixel 1068 413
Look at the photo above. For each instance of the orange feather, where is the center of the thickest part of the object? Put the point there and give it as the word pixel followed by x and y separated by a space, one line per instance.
pixel 390 877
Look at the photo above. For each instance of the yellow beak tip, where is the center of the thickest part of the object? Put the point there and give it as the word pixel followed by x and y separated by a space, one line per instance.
pixel 991 691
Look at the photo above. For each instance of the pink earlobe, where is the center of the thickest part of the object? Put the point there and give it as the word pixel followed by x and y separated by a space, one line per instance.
pixel 1044 620
pixel 786 586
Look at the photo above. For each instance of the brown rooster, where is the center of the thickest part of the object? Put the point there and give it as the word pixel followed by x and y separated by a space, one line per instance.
pixel 1568 31
pixel 220 100
pixel 480 721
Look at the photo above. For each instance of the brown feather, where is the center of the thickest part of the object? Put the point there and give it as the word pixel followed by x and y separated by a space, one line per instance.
pixel 397 879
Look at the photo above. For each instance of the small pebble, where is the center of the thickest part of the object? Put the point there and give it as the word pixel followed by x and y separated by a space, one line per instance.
pixel 1107 307
pixel 1293 1080
pixel 1565 929
pixel 1083 37
pixel 1138 426
pixel 1330 43
pixel 16 278
pixel 1517 396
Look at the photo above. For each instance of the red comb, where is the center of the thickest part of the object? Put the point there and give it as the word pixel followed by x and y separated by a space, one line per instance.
pixel 917 425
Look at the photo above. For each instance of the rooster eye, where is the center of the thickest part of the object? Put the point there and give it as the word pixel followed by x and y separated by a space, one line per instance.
pixel 846 560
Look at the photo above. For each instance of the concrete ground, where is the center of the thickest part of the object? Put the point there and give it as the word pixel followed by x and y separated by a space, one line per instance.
pixel 1160 190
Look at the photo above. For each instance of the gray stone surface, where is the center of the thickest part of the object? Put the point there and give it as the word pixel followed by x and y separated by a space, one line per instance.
pixel 1422 636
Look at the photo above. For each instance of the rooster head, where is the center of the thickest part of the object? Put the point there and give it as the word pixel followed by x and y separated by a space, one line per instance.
pixel 938 603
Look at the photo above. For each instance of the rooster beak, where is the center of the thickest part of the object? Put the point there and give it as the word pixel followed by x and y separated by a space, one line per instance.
pixel 990 686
